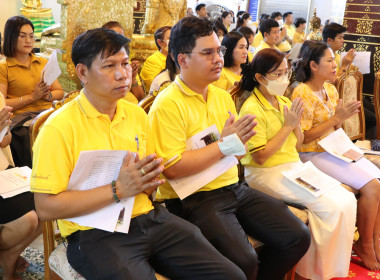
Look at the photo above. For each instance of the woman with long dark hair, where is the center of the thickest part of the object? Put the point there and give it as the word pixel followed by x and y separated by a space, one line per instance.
pixel 323 114
pixel 273 150
pixel 234 60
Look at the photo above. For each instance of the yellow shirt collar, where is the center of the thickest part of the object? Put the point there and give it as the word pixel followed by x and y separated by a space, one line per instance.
pixel 91 112
pixel 265 103
pixel 185 89
pixel 11 61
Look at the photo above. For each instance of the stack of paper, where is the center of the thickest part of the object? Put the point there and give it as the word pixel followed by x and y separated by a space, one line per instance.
pixel 340 145
pixel 311 179
pixel 365 146
pixel 14 181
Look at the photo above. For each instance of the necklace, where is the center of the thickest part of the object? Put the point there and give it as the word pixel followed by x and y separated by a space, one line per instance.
pixel 327 100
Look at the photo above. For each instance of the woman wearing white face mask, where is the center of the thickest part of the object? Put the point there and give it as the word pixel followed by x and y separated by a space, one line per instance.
pixel 273 150
pixel 244 20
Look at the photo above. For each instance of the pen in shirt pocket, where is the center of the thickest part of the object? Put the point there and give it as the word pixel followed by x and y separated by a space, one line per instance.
pixel 137 143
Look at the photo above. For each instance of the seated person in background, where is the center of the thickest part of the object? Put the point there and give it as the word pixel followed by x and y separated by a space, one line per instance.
pixel 219 29
pixel 157 240
pixel 19 224
pixel 20 72
pixel 288 24
pixel 284 42
pixel 225 210
pixel 166 77
pixel 236 55
pixel 299 34
pixel 274 150
pixel 259 37
pixel 244 19
pixel 249 35
pixel 201 10
pixel 155 63
pixel 226 19
pixel 189 12
pixel 137 92
pixel 21 84
pixel 270 30
pixel 333 35
pixel 323 114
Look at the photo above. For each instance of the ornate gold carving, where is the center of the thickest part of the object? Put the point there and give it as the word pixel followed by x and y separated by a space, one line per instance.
pixel 368 2
pixel 367 9
pixel 365 16
pixel 345 23
pixel 360 47
pixel 364 26
pixel 376 59
pixel 361 39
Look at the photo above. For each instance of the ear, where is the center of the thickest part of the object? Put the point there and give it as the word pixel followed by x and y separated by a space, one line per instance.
pixel 182 60
pixel 329 41
pixel 82 72
pixel 260 78
pixel 313 65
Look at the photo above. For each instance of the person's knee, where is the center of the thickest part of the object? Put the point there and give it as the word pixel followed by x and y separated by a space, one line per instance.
pixel 232 271
pixel 298 240
pixel 248 262
pixel 30 221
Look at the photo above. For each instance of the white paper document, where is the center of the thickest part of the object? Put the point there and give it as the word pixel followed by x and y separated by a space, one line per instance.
pixel 338 144
pixel 3 132
pixel 188 185
pixel 361 60
pixel 51 71
pixel 98 168
pixel 365 146
pixel 311 179
pixel 15 181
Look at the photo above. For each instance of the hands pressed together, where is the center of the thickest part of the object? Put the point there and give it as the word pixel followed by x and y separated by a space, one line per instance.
pixel 292 116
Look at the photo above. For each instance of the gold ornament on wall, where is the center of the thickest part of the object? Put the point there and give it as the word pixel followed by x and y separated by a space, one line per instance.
pixel 360 47
pixel 364 26
pixel 376 59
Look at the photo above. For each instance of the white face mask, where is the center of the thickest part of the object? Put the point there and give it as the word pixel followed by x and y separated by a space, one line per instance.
pixel 249 22
pixel 220 38
pixel 277 87
pixel 280 22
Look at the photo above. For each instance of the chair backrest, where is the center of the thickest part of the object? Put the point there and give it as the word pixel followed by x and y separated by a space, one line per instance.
pixel 147 102
pixel 350 85
pixel 376 98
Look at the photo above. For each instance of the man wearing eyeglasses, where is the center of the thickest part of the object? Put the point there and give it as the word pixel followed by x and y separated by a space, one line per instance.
pixel 225 209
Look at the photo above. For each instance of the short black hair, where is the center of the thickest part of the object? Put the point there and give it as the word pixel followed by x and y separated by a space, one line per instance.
pixel 332 30
pixel 11 32
pixel 286 14
pixel 246 31
pixel 112 24
pixel 159 34
pixel 185 33
pixel 310 51
pixel 264 16
pixel 275 14
pixel 230 41
pixel 97 41
pixel 199 7
pixel 299 21
pixel 225 14
pixel 266 25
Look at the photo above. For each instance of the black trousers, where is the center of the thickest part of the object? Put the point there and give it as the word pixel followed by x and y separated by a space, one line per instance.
pixel 226 215
pixel 158 241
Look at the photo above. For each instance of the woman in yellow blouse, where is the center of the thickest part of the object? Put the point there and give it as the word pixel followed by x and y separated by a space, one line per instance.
pixel 20 72
pixel 236 55
pixel 273 150
pixel 324 113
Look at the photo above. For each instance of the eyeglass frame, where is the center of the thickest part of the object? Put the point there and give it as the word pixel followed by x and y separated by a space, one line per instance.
pixel 289 73
pixel 221 51
pixel 24 36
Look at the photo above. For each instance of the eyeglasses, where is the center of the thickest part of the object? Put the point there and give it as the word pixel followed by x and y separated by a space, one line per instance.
pixel 288 73
pixel 210 53
pixel 24 36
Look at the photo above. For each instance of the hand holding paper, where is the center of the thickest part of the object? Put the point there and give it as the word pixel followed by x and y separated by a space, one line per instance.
pixel 51 71
pixel 5 114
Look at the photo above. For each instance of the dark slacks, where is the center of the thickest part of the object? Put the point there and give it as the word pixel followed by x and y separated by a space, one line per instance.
pixel 226 215
pixel 158 241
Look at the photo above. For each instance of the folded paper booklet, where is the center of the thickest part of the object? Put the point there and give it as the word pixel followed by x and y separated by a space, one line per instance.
pixel 340 145
pixel 310 178
pixel 365 147
pixel 14 181
pixel 98 168
pixel 188 185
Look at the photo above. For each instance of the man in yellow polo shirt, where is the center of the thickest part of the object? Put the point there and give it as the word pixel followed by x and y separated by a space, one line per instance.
pixel 270 30
pixel 288 24
pixel 224 209
pixel 155 63
pixel 99 119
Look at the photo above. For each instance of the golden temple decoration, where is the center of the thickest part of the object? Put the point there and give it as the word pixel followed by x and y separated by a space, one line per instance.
pixel 315 24
pixel 162 12
pixel 364 26
pixel 360 47
pixel 376 59
pixel 34 4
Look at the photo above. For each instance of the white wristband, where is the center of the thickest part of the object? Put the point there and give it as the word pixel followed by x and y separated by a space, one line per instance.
pixel 231 145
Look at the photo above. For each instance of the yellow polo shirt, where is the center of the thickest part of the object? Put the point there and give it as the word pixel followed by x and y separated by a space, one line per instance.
pixel 227 79
pixel 338 62
pixel 284 46
pixel 299 37
pixel 21 81
pixel 76 127
pixel 257 39
pixel 153 66
pixel 250 56
pixel 262 46
pixel 179 113
pixel 269 122
pixel 290 30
